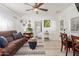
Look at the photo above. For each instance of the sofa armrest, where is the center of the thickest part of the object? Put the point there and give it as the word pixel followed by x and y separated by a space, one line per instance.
pixel 3 53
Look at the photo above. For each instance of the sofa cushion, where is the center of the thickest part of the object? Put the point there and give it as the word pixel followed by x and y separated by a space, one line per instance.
pixel 9 39
pixel 3 42
pixel 20 35
pixel 17 35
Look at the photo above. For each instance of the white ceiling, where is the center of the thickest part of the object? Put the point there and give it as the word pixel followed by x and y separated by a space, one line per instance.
pixel 52 7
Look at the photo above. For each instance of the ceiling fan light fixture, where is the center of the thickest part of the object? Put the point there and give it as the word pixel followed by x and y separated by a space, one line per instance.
pixel 36 9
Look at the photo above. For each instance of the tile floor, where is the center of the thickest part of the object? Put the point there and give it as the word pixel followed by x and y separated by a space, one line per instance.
pixel 52 48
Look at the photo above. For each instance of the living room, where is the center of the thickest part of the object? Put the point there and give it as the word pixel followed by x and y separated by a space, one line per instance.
pixel 45 24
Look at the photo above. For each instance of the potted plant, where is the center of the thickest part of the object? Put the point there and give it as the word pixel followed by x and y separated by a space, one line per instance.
pixel 29 29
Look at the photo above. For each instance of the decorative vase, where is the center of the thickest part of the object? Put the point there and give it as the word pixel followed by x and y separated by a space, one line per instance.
pixel 32 43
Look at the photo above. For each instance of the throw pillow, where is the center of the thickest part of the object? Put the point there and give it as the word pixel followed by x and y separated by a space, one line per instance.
pixel 20 35
pixel 17 35
pixel 3 42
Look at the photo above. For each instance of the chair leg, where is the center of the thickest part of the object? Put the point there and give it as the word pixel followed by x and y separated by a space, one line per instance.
pixel 66 51
pixel 61 47
pixel 73 53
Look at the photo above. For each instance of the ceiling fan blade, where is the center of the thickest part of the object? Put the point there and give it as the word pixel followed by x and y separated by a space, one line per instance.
pixel 28 4
pixel 43 9
pixel 29 9
pixel 40 4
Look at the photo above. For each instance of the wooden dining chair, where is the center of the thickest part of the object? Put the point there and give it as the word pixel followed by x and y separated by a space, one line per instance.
pixel 77 49
pixel 65 43
pixel 75 44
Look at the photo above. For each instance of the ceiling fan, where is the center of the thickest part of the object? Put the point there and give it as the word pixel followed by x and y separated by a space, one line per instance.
pixel 36 7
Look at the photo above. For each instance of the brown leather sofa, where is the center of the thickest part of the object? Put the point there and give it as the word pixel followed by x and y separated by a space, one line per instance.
pixel 13 45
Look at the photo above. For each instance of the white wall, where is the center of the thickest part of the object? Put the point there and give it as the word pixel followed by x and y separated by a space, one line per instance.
pixel 7 22
pixel 67 15
pixel 53 30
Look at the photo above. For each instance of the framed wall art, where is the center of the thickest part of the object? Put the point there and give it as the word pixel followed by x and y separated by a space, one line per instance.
pixel 47 23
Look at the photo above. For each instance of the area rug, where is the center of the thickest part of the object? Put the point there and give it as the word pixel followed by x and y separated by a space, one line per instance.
pixel 26 51
pixel 46 48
